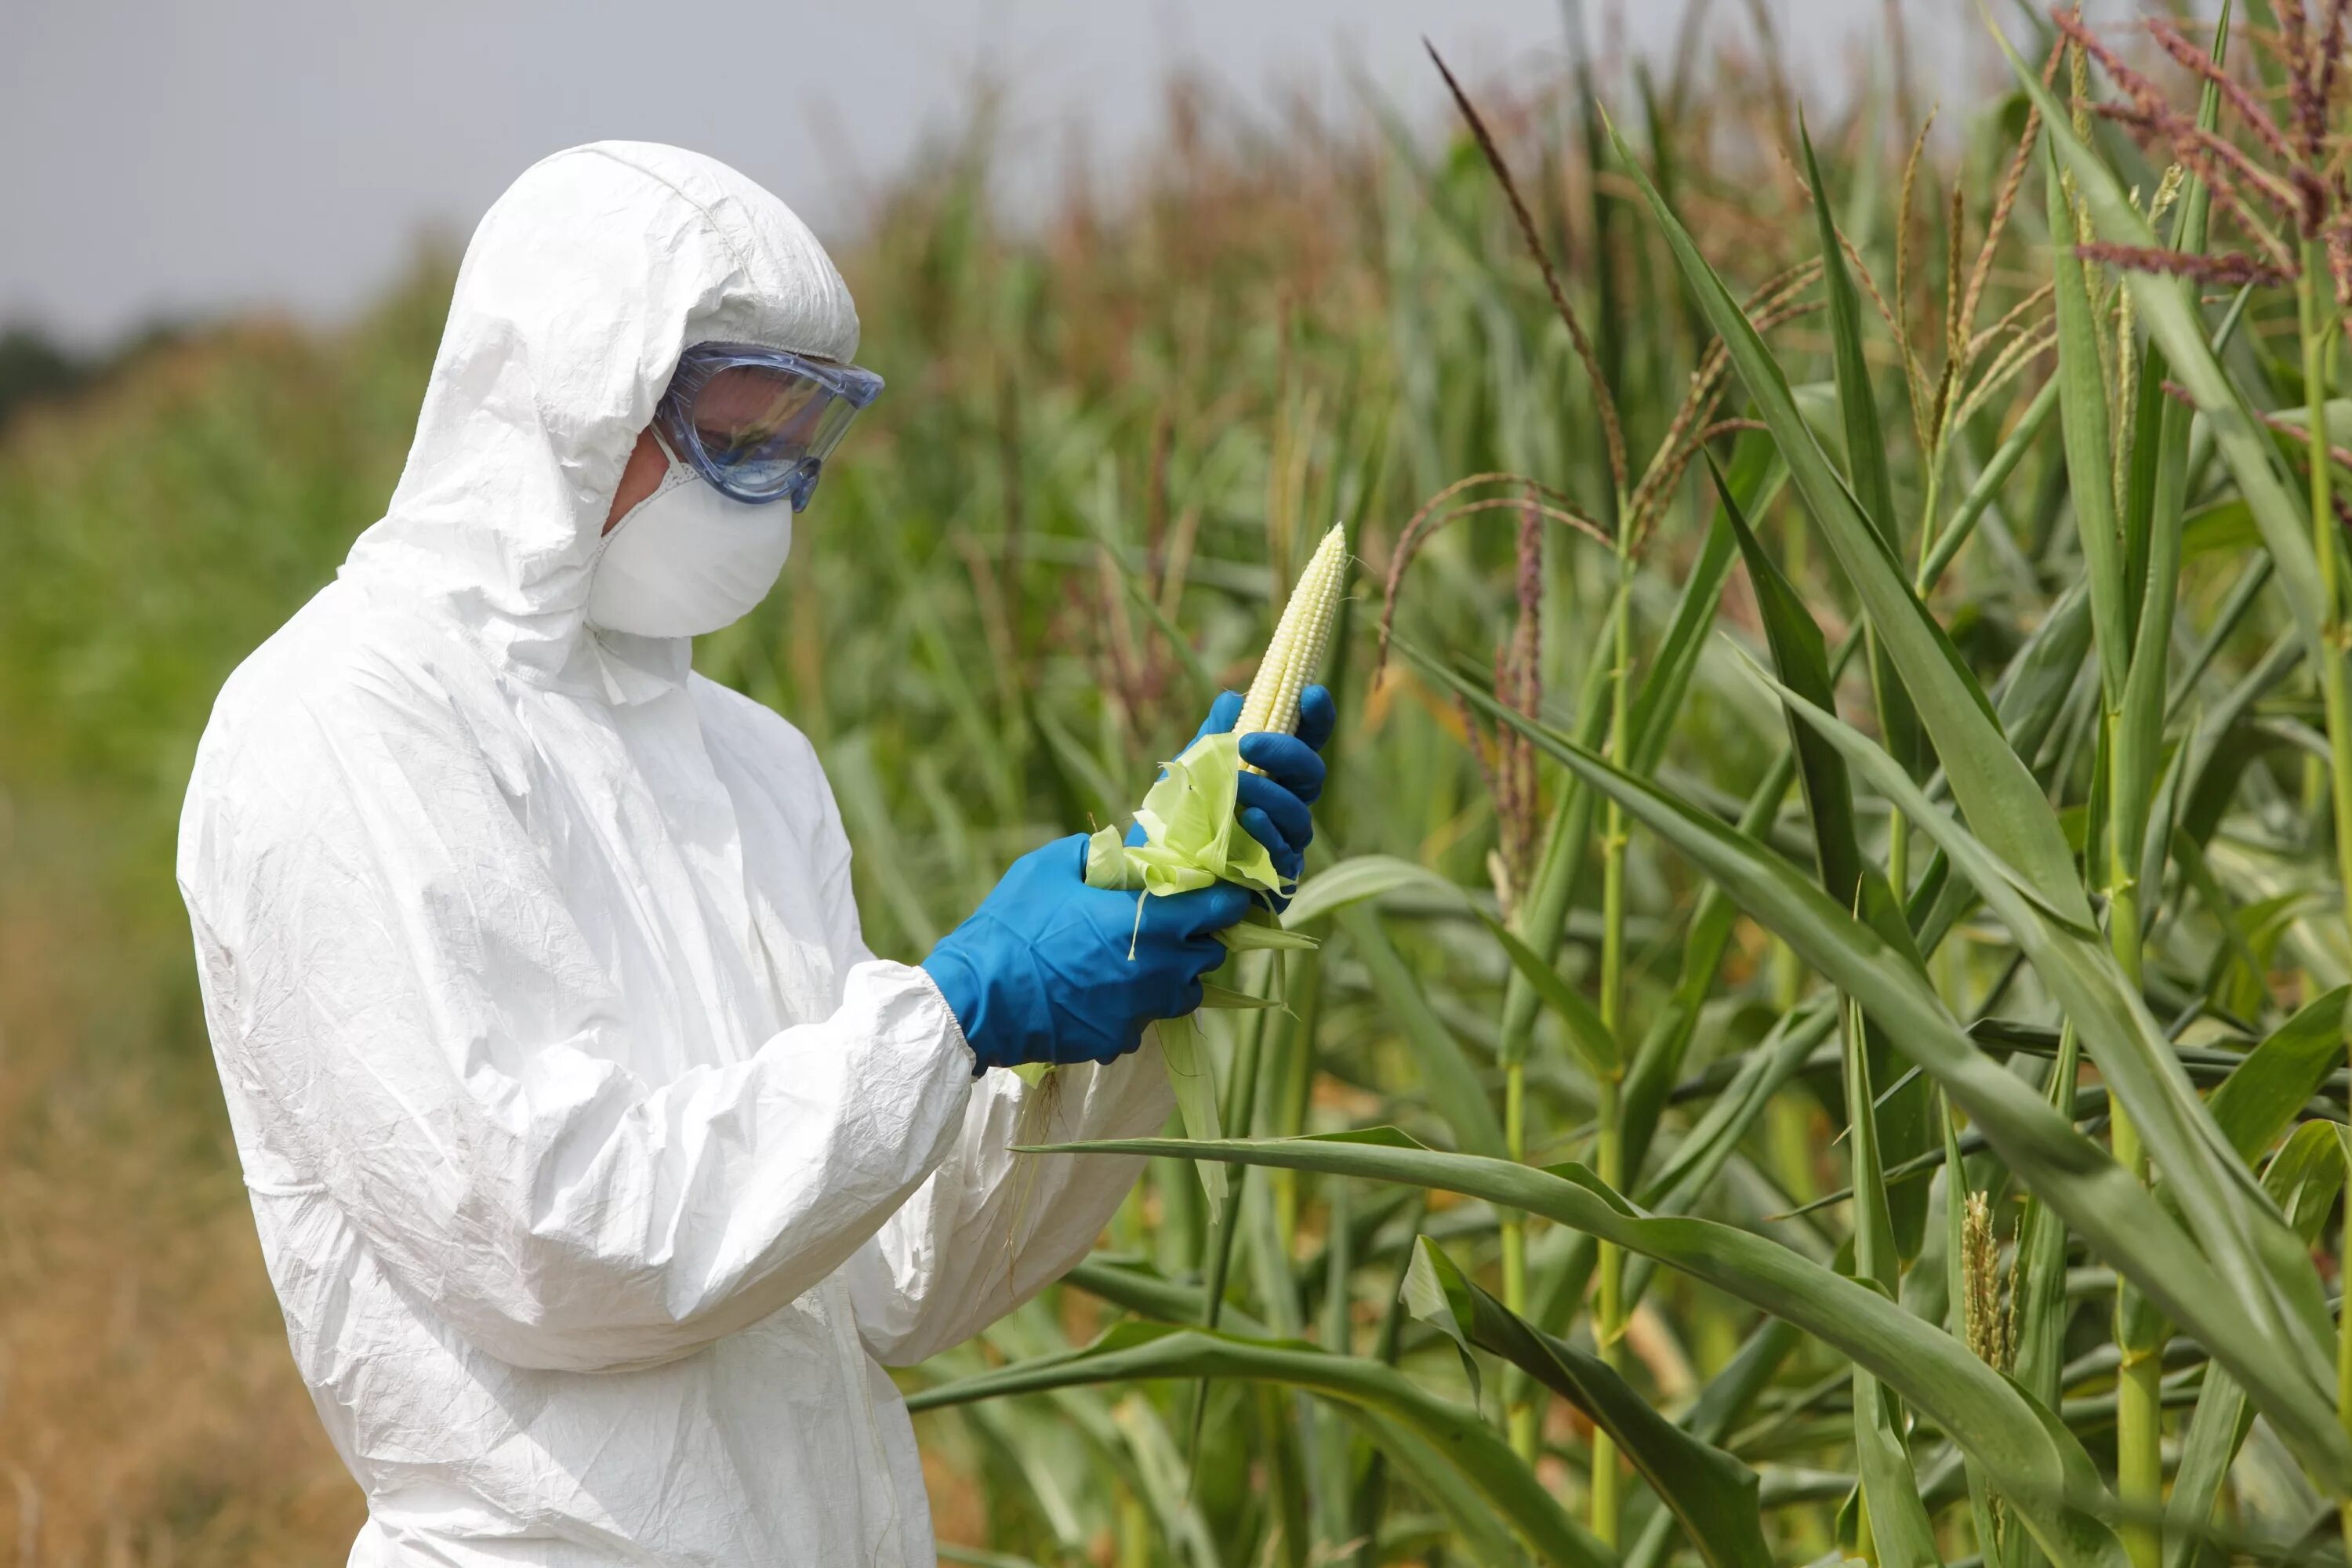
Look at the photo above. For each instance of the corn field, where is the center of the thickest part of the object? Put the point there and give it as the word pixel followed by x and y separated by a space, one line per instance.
pixel 1827 1031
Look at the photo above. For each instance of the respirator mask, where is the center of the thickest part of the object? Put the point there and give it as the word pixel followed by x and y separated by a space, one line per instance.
pixel 744 428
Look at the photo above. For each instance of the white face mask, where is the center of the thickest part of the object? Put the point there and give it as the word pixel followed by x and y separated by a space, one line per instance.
pixel 688 560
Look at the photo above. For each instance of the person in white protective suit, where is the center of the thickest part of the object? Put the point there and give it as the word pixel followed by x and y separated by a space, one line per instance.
pixel 599 1167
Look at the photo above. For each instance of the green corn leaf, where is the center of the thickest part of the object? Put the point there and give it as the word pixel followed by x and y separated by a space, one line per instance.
pixel 2199 879
pixel 1031 1441
pixel 1685 1181
pixel 1865 444
pixel 1992 785
pixel 2215 761
pixel 2261 1320
pixel 1451 1082
pixel 2037 1464
pixel 1195 1080
pixel 2258 1099
pixel 1700 1157
pixel 1363 878
pixel 1164 1477
pixel 1900 1530
pixel 1757 474
pixel 1659 1056
pixel 1085 773
pixel 2265 1273
pixel 1727 1396
pixel 1542 915
pixel 2084 419
pixel 1754 479
pixel 1360 878
pixel 1260 931
pixel 2303 1178
pixel 1658 704
pixel 1148 1293
pixel 1713 1494
pixel 1802 658
pixel 2040 1269
pixel 1586 1031
pixel 2158 505
pixel 1224 998
pixel 1134 1352
pixel 2035 686
pixel 1427 1466
pixel 1989 483
pixel 1899 1526
pixel 2170 308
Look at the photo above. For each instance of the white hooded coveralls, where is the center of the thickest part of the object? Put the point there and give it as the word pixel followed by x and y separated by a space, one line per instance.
pixel 599 1167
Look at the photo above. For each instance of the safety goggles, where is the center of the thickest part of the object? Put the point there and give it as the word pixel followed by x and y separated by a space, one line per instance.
pixel 758 422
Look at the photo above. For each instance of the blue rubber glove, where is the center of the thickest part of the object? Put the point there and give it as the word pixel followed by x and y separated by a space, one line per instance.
pixel 1050 970
pixel 1273 803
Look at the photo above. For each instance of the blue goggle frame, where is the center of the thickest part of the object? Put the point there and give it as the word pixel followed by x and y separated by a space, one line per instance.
pixel 771 445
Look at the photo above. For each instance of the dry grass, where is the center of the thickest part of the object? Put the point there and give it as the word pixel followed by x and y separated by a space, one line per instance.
pixel 149 1413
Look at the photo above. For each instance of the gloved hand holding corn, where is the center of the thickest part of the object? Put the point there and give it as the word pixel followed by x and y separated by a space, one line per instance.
pixel 1087 941
pixel 1193 830
pixel 1190 824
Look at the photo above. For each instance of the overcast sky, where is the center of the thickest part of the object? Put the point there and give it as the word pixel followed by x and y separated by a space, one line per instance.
pixel 190 156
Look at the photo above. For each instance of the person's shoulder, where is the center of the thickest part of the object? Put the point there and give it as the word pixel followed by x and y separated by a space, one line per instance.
pixel 750 727
pixel 341 665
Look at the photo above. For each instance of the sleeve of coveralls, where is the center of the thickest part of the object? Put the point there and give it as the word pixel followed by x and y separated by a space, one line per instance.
pixel 990 1228
pixel 394 976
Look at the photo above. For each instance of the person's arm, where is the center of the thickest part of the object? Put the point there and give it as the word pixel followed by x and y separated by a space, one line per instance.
pixel 991 1228
pixel 988 1228
pixel 397 987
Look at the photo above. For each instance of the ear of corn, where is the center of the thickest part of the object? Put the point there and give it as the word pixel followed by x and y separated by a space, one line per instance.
pixel 1191 838
pixel 1295 654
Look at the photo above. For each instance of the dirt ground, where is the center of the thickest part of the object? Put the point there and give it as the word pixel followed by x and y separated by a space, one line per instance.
pixel 149 1411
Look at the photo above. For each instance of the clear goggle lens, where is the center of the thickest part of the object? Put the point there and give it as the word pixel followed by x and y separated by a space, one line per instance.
pixel 758 422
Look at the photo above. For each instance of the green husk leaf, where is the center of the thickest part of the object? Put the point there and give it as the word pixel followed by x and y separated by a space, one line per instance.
pixel 1192 834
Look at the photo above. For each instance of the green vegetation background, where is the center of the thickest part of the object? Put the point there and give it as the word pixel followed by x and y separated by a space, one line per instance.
pixel 1109 439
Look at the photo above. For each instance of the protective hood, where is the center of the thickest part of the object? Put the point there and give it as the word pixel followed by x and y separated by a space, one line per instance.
pixel 578 291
